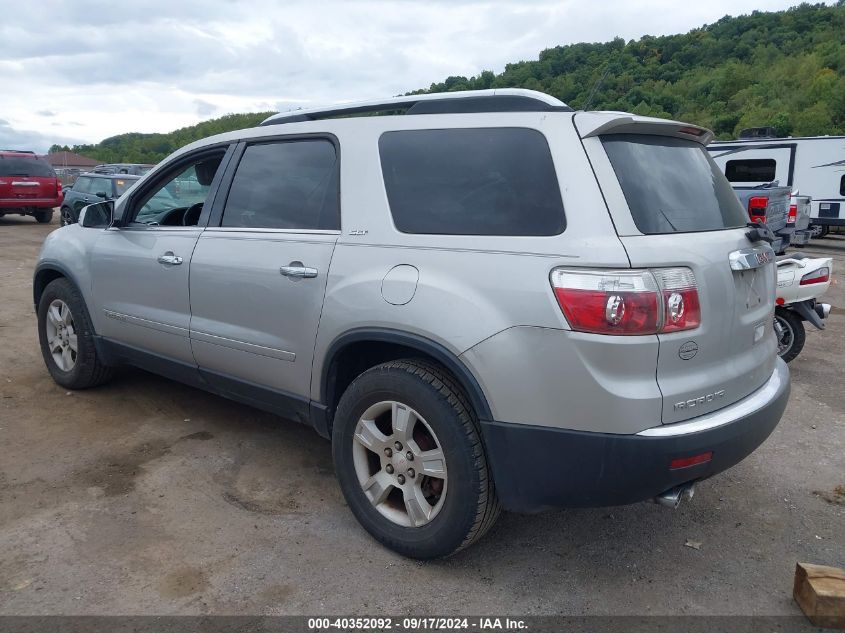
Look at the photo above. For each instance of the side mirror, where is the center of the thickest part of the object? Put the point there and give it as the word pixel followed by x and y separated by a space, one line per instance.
pixel 99 215
pixel 101 194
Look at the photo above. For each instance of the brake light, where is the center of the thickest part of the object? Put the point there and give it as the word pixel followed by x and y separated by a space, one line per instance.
pixel 793 214
pixel 757 208
pixel 627 302
pixel 820 276
pixel 58 188
pixel 681 310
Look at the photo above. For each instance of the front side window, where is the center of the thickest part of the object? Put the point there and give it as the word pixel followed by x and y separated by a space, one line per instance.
pixel 178 200
pixel 285 185
pixel 488 181
pixel 101 186
pixel 751 170
pixel 82 185
pixel 121 185
pixel 672 185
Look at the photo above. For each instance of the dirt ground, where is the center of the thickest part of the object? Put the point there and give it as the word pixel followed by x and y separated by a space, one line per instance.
pixel 149 497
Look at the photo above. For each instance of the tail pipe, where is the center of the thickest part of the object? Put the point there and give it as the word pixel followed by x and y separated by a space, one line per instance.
pixel 823 310
pixel 672 498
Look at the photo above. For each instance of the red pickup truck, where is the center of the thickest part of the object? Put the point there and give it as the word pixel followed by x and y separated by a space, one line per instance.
pixel 28 185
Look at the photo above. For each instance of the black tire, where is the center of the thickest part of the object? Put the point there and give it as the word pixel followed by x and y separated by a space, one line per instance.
pixel 825 230
pixel 67 216
pixel 43 217
pixel 470 506
pixel 88 370
pixel 794 329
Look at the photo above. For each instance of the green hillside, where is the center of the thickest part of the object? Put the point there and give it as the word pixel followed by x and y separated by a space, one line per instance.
pixel 785 69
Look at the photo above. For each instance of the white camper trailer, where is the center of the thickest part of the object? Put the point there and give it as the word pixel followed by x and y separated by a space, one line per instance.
pixel 813 166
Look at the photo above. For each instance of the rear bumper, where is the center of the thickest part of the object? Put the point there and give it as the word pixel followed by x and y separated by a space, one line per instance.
pixel 535 468
pixel 13 204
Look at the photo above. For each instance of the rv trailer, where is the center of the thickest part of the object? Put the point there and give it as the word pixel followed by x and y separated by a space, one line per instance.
pixel 812 166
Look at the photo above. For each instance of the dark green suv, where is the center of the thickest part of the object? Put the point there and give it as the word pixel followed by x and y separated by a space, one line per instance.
pixel 90 188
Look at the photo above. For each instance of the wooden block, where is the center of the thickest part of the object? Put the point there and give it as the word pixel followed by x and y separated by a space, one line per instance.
pixel 820 592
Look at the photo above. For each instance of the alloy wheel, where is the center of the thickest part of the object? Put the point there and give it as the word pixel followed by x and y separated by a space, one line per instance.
pixel 400 464
pixel 785 335
pixel 61 335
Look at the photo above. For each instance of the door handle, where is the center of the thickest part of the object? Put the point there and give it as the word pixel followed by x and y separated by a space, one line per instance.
pixel 297 271
pixel 169 259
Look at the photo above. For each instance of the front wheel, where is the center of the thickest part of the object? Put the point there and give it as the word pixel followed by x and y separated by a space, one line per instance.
pixel 408 453
pixel 66 217
pixel 67 338
pixel 789 330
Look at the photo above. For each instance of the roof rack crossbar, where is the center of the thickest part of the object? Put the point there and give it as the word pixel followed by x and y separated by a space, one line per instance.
pixel 497 100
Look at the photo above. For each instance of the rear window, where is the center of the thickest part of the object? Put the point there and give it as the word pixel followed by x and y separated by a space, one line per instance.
pixel 497 181
pixel 672 185
pixel 25 166
pixel 751 170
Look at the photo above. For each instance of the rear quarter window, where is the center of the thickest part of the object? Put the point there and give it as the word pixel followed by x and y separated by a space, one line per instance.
pixel 672 185
pixel 490 181
pixel 751 170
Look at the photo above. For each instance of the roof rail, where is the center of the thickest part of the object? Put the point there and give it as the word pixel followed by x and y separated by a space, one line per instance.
pixel 497 100
pixel 18 151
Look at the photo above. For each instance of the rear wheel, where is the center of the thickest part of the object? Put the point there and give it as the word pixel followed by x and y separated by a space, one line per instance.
pixel 43 217
pixel 67 338
pixel 409 457
pixel 789 329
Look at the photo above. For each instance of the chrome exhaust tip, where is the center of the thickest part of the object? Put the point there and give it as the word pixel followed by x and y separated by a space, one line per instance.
pixel 672 498
pixel 823 310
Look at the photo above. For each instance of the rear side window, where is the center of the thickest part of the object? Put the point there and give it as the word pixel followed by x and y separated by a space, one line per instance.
pixel 672 185
pixel 498 181
pixel 285 185
pixel 842 186
pixel 25 166
pixel 751 170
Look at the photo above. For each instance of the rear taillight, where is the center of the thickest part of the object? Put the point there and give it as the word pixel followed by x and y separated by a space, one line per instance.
pixel 681 310
pixel 757 208
pixel 627 302
pixel 820 276
pixel 58 188
pixel 793 214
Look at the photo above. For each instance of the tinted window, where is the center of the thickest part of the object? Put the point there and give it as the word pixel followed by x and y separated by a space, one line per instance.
pixel 82 185
pixel 471 182
pixel 101 185
pixel 121 185
pixel 672 185
pixel 25 166
pixel 751 170
pixel 286 185
pixel 842 186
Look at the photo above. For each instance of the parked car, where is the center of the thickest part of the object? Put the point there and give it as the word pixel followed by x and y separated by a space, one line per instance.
pixel 507 305
pixel 90 188
pixel 134 169
pixel 799 219
pixel 28 185
pixel 769 204
pixel 813 164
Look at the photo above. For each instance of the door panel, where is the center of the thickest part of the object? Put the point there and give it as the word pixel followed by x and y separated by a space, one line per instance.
pixel 249 321
pixel 145 302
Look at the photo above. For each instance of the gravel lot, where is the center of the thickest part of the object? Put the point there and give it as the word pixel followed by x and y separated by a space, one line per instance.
pixel 149 497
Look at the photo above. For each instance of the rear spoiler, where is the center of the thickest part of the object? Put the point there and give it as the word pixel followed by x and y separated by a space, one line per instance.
pixel 596 123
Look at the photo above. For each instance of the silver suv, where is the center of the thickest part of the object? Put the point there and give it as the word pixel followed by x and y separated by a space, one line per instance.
pixel 484 299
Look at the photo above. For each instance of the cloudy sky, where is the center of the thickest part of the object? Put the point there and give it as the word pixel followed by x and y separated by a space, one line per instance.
pixel 81 70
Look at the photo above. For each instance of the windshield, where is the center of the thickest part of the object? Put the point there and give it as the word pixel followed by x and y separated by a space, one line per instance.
pixel 672 185
pixel 25 166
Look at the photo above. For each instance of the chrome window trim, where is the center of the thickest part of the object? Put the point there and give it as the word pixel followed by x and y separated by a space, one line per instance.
pixel 241 229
